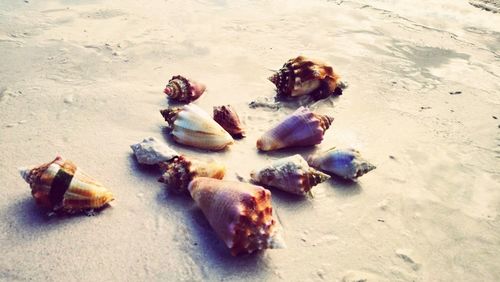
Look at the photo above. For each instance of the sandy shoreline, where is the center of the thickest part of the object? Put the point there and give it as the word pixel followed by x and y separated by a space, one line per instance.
pixel 85 81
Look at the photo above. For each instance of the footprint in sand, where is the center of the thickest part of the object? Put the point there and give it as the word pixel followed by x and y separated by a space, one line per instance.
pixel 102 14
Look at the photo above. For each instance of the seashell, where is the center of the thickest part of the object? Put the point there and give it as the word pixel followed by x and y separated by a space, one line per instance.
pixel 181 170
pixel 303 76
pixel 61 186
pixel 291 174
pixel 227 117
pixel 240 213
pixel 151 151
pixel 302 128
pixel 346 163
pixel 194 127
pixel 182 89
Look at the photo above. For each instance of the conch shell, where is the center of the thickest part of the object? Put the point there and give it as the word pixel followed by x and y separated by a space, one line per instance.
pixel 181 170
pixel 291 174
pixel 151 151
pixel 303 76
pixel 302 128
pixel 227 117
pixel 182 89
pixel 346 163
pixel 240 213
pixel 61 186
pixel 194 127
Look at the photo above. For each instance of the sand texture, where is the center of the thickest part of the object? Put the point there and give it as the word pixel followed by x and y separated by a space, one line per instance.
pixel 84 79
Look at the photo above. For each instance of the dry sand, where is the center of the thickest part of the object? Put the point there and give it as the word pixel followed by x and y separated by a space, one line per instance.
pixel 84 79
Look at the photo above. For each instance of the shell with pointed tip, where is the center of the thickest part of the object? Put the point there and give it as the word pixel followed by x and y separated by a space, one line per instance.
pixel 302 128
pixel 227 117
pixel 240 213
pixel 346 163
pixel 181 170
pixel 291 174
pixel 61 186
pixel 194 127
pixel 151 151
pixel 183 89
pixel 303 76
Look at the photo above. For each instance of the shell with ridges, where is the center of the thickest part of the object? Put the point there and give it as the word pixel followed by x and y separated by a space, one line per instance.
pixel 303 76
pixel 302 128
pixel 183 89
pixel 194 127
pixel 291 174
pixel 181 170
pixel 227 117
pixel 346 163
pixel 240 213
pixel 151 151
pixel 61 186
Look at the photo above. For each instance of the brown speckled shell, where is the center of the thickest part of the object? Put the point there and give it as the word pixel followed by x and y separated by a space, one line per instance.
pixel 303 76
pixel 240 213
pixel 183 89
pixel 227 117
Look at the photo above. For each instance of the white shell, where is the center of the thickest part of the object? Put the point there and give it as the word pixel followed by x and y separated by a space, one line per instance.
pixel 346 163
pixel 151 151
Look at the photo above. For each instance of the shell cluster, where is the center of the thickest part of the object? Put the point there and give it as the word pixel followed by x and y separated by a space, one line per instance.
pixel 183 89
pixel 301 128
pixel 303 76
pixel 61 186
pixel 192 126
pixel 240 213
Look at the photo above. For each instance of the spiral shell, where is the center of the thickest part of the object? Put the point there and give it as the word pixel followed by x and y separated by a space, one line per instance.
pixel 194 127
pixel 151 151
pixel 183 89
pixel 61 186
pixel 240 213
pixel 227 117
pixel 302 128
pixel 346 163
pixel 291 174
pixel 303 76
pixel 181 170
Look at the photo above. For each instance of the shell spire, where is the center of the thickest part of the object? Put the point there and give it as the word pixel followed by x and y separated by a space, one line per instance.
pixel 291 174
pixel 61 186
pixel 227 117
pixel 240 213
pixel 302 128
pixel 181 170
pixel 346 163
pixel 303 76
pixel 192 126
pixel 183 89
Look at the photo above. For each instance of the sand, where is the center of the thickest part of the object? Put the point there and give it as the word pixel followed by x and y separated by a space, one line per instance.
pixel 84 79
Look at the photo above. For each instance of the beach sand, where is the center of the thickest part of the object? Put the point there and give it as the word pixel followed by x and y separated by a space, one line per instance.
pixel 84 79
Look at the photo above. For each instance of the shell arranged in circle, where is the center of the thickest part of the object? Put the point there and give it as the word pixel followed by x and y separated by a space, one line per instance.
pixel 192 126
pixel 240 213
pixel 183 89
pixel 291 174
pixel 227 117
pixel 304 76
pixel 302 128
pixel 61 186
pixel 346 163
pixel 181 170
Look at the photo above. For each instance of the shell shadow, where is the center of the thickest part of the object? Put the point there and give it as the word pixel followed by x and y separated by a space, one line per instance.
pixel 345 187
pixel 151 171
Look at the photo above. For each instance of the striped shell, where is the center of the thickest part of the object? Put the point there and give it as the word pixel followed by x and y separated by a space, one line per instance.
pixel 227 117
pixel 291 174
pixel 302 128
pixel 194 127
pixel 346 163
pixel 240 213
pixel 151 151
pixel 303 76
pixel 182 89
pixel 61 186
pixel 181 170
